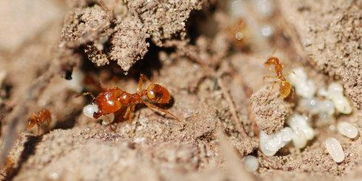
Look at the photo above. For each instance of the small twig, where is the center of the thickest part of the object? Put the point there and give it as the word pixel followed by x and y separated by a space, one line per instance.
pixel 234 114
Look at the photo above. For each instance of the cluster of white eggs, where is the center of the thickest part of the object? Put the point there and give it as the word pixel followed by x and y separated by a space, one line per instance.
pixel 299 130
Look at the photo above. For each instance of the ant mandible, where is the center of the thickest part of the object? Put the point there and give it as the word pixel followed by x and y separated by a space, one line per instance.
pixel 285 88
pixel 122 103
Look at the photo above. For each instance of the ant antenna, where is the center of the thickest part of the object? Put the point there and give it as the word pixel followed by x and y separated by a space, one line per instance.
pixel 274 50
pixel 86 94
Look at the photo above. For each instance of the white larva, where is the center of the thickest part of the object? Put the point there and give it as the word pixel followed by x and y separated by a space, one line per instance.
pixel 251 163
pixel 334 149
pixel 301 129
pixel 270 144
pixel 89 110
pixel 303 86
pixel 347 129
pixel 335 93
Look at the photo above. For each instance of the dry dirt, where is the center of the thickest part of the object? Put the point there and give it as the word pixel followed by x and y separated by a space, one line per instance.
pixel 48 47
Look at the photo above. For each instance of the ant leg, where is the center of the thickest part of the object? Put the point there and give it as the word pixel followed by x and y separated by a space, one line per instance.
pixel 89 80
pixel 119 115
pixel 85 94
pixel 30 125
pixel 269 77
pixel 155 108
pixel 103 5
pixel 132 109
pixel 129 112
pixel 275 83
pixel 140 82
pixel 38 129
pixel 126 115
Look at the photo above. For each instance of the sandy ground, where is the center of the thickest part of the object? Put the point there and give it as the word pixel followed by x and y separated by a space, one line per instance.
pixel 216 83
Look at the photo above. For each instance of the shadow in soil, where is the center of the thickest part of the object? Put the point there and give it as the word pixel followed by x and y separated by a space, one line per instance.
pixel 29 149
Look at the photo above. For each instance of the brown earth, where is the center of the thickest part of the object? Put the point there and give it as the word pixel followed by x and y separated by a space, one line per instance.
pixel 217 87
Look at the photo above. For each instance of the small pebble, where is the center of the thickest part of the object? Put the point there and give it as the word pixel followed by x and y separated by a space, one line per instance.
pixel 334 149
pixel 347 129
pixel 251 163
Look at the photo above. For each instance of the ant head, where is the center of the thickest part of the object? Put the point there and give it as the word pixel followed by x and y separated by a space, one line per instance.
pixel 272 61
pixel 158 94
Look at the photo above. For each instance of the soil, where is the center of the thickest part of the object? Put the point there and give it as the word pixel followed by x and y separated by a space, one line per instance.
pixel 218 86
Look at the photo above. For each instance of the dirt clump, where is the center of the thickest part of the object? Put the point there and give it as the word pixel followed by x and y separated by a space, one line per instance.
pixel 125 50
pixel 105 36
pixel 218 93
pixel 269 110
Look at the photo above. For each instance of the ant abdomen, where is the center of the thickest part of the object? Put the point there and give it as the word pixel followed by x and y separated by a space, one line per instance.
pixel 108 102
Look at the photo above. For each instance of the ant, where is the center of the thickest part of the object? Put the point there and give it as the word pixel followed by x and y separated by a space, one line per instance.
pixel 285 88
pixel 238 34
pixel 122 103
pixel 38 118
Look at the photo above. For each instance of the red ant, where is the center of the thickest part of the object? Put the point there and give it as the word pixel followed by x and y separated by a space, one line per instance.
pixel 122 103
pixel 285 88
pixel 238 34
pixel 38 118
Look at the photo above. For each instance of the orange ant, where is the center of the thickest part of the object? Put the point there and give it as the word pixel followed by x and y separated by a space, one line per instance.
pixel 238 34
pixel 122 103
pixel 38 118
pixel 285 88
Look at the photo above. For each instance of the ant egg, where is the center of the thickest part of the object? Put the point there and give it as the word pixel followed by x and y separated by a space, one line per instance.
pixel 334 149
pixel 90 109
pixel 267 31
pixel 347 129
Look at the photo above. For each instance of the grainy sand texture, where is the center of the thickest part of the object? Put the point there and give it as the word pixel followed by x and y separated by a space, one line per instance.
pixel 210 56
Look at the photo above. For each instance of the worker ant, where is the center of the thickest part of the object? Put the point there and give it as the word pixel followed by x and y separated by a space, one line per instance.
pixel 285 88
pixel 39 118
pixel 122 103
pixel 239 35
